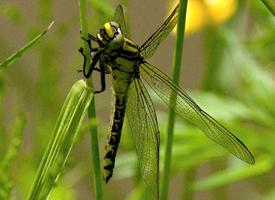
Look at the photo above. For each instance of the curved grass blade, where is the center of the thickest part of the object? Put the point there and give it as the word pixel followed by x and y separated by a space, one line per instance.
pixel 189 110
pixel 142 120
pixel 62 140
pixel 19 53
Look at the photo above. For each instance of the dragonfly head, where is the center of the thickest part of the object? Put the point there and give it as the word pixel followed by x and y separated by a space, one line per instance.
pixel 110 35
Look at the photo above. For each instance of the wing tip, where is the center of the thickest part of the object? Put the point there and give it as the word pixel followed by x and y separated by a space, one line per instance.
pixel 251 160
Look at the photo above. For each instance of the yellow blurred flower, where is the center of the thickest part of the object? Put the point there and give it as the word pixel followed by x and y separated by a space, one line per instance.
pixel 220 10
pixel 195 18
pixel 203 12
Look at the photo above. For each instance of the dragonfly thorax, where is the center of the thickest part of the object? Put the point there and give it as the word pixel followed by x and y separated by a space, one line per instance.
pixel 110 36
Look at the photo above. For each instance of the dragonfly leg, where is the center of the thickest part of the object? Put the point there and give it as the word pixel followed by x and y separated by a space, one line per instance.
pixel 102 78
pixel 84 62
pixel 92 66
pixel 90 38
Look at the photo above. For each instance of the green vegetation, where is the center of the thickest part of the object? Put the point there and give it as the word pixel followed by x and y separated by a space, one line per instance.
pixel 45 149
pixel 172 115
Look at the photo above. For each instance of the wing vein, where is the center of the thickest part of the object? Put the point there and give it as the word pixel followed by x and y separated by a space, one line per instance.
pixel 189 110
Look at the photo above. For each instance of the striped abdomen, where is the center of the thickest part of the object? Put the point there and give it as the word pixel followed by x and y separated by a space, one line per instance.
pixel 114 137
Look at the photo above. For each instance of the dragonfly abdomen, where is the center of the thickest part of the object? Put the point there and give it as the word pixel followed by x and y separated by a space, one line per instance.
pixel 114 137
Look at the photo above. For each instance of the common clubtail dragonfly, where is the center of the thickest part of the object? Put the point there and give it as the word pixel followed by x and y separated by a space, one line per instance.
pixel 116 54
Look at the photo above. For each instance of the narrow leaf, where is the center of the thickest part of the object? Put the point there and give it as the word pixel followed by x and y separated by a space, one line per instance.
pixel 19 53
pixel 270 4
pixel 173 97
pixel 62 140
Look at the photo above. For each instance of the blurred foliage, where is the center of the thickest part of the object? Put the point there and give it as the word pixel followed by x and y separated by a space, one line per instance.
pixel 11 12
pixel 237 88
pixel 6 184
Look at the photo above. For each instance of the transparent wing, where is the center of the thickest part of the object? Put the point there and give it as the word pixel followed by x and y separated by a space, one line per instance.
pixel 142 120
pixel 119 18
pixel 149 47
pixel 189 110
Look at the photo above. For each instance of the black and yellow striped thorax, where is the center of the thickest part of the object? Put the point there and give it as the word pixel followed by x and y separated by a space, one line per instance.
pixel 115 44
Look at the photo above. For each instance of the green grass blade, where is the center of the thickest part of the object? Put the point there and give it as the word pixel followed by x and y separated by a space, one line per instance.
pixel 62 140
pixel 175 78
pixel 270 4
pixel 19 53
pixel 91 110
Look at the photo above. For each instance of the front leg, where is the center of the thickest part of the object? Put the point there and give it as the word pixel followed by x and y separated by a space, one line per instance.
pixel 92 67
pixel 102 78
pixel 89 41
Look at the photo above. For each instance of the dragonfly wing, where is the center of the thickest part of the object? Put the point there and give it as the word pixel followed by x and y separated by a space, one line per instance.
pixel 120 19
pixel 189 110
pixel 149 47
pixel 142 120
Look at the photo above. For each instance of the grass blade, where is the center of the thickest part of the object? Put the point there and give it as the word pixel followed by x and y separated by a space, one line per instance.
pixel 175 78
pixel 62 140
pixel 19 53
pixel 270 4
pixel 91 110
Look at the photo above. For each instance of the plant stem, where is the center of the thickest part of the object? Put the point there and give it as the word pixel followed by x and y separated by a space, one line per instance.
pixel 91 110
pixel 95 153
pixel 173 97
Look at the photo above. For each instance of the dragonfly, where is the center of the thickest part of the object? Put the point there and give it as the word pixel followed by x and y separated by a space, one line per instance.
pixel 114 53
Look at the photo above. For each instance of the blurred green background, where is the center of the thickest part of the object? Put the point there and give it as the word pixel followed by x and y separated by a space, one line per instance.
pixel 228 68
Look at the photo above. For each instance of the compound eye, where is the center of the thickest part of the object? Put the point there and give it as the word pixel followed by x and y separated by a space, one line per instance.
pixel 110 30
pixel 117 41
